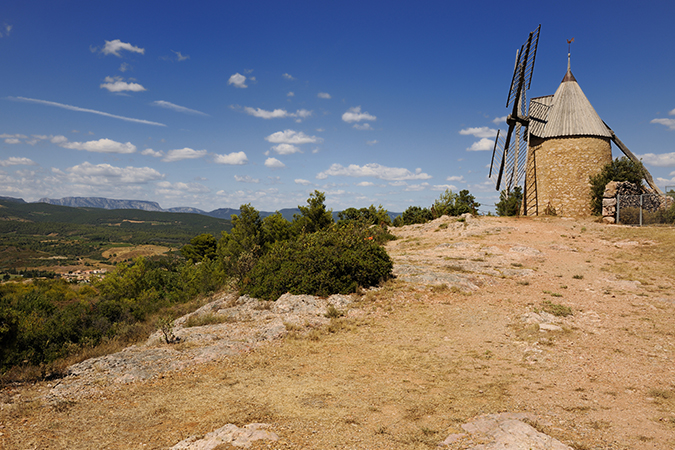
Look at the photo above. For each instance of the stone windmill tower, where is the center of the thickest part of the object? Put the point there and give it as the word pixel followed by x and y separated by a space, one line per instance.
pixel 564 139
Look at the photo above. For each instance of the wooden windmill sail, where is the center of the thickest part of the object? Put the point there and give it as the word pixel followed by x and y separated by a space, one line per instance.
pixel 566 143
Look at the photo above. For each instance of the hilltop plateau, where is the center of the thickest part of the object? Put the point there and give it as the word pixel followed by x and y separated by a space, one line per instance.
pixel 548 332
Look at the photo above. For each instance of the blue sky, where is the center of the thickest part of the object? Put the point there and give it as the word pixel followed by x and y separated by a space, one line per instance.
pixel 216 104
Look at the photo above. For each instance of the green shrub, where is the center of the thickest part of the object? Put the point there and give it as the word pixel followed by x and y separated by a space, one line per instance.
pixel 413 215
pixel 334 261
pixel 620 169
pixel 509 202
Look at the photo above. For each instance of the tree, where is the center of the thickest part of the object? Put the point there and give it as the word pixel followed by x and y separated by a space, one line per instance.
pixel 509 202
pixel 451 204
pixel 620 169
pixel 314 217
pixel 369 216
pixel 413 215
pixel 200 247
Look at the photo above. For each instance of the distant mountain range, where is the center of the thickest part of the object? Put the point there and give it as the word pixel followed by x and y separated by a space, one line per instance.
pixel 107 203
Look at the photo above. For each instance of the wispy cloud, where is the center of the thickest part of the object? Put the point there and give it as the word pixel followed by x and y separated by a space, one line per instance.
pixel 116 46
pixel 246 179
pixel 234 158
pixel 354 114
pixel 5 30
pixel 324 95
pixel 177 108
pixel 458 178
pixel 183 153
pixel 363 126
pixel 238 80
pixel 499 120
pixel 180 56
pixel 117 84
pixel 302 182
pixel 443 187
pixel 373 170
pixel 290 94
pixel 92 111
pixel 288 76
pixel 277 113
pixel 373 142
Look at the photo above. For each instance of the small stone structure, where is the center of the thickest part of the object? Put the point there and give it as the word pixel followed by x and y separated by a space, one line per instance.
pixel 628 194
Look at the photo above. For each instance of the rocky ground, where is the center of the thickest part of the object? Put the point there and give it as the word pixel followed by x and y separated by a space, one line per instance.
pixel 497 333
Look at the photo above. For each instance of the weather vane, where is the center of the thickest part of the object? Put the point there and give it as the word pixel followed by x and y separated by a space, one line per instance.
pixel 569 44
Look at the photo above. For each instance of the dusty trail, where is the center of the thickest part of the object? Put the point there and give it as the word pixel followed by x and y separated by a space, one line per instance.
pixel 463 332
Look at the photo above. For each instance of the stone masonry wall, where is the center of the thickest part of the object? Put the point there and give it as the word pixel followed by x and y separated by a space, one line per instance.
pixel 562 167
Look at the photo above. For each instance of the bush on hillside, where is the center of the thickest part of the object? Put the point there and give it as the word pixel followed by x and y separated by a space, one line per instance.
pixel 413 215
pixel 337 260
pixel 451 204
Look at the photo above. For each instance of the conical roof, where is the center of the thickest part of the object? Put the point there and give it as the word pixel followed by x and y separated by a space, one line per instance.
pixel 570 114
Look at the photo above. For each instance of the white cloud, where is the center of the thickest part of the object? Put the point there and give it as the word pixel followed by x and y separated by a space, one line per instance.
pixel 324 95
pixel 355 115
pixel 290 94
pixel 177 108
pixel 92 111
pixel 482 145
pixel 292 137
pixel 481 132
pixel 302 182
pixel 661 160
pixel 286 149
pixel 183 153
pixel 459 178
pixel 237 80
pixel 6 29
pixel 117 84
pixel 124 67
pixel 180 56
pixel 100 146
pixel 670 123
pixel 671 112
pixel 373 142
pixel 257 112
pixel 277 113
pixel 443 187
pixel 114 48
pixel 274 163
pixel 180 188
pixel 12 141
pixel 13 136
pixel 288 76
pixel 373 170
pixel 234 159
pixel 499 120
pixel 103 174
pixel 365 126
pixel 153 153
pixel 16 161
pixel 417 187
pixel 246 179
pixel 365 183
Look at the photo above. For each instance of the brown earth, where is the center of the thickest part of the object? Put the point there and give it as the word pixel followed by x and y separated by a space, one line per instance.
pixel 117 254
pixel 464 330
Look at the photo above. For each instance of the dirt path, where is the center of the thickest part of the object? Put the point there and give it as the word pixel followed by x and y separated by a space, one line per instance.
pixel 462 332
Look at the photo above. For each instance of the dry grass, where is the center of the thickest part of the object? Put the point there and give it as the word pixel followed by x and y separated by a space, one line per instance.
pixel 416 363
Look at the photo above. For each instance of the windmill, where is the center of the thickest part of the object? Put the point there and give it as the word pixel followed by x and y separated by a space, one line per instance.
pixel 554 143
pixel 509 153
